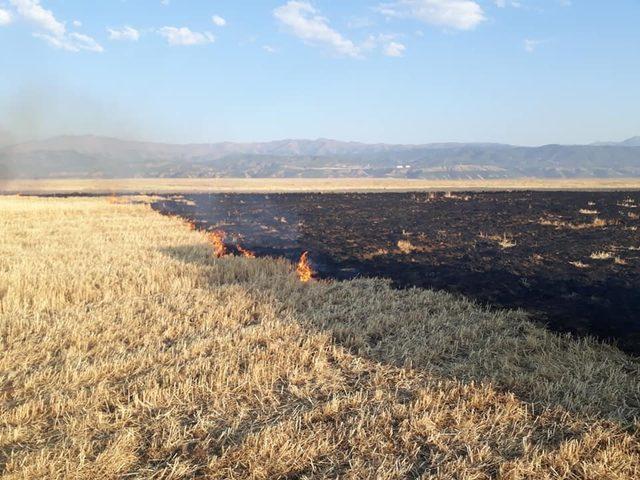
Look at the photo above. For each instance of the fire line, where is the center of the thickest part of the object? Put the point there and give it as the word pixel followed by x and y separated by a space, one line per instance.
pixel 245 253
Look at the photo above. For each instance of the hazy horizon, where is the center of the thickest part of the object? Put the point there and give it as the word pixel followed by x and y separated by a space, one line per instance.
pixel 16 140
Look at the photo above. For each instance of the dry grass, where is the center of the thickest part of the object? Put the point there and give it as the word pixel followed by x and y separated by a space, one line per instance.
pixel 597 222
pixel 504 241
pixel 601 255
pixel 579 264
pixel 406 247
pixel 192 185
pixel 128 350
pixel 628 203
pixel 452 196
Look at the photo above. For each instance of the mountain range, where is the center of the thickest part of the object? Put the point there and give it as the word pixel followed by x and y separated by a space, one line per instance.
pixel 90 156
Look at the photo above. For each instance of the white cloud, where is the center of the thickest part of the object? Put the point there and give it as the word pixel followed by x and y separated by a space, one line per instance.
pixel 531 45
pixel 77 23
pixel 74 42
pixel 387 43
pixel 185 37
pixel 394 49
pixel 85 42
pixel 218 21
pixel 505 3
pixel 54 32
pixel 124 33
pixel 5 17
pixel 32 11
pixel 269 49
pixel 305 22
pixel 459 14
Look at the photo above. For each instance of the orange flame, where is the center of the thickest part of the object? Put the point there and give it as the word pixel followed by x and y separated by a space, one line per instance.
pixel 217 240
pixel 303 269
pixel 245 253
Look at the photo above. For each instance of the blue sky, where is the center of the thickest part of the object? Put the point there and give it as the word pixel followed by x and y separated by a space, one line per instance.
pixel 401 71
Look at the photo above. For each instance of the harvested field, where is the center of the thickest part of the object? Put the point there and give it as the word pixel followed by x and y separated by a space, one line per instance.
pixel 570 259
pixel 130 350
pixel 280 185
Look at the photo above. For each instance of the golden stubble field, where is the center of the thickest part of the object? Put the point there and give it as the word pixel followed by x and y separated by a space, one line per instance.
pixel 129 351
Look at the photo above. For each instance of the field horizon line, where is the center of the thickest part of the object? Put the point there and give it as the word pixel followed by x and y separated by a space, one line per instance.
pixel 305 185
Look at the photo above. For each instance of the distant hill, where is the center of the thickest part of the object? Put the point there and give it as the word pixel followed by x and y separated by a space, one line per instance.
pixel 103 157
pixel 629 142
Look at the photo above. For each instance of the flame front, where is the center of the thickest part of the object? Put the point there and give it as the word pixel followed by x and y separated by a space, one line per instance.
pixel 303 269
pixel 245 253
pixel 217 240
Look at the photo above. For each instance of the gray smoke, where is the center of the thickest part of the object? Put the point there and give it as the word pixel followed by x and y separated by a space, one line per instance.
pixel 45 109
pixel 42 109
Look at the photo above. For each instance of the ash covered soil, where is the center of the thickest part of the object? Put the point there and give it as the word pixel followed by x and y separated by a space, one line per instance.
pixel 571 259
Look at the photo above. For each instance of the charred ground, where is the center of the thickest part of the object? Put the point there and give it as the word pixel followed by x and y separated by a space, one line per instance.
pixel 572 259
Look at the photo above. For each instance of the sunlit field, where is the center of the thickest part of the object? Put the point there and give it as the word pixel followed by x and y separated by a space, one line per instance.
pixel 248 185
pixel 130 350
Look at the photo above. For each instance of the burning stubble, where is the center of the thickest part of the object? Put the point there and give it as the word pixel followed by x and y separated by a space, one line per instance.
pixel 244 252
pixel 220 249
pixel 303 269
pixel 217 241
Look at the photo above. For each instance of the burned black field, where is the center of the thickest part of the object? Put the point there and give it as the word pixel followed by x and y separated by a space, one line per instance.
pixel 571 259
